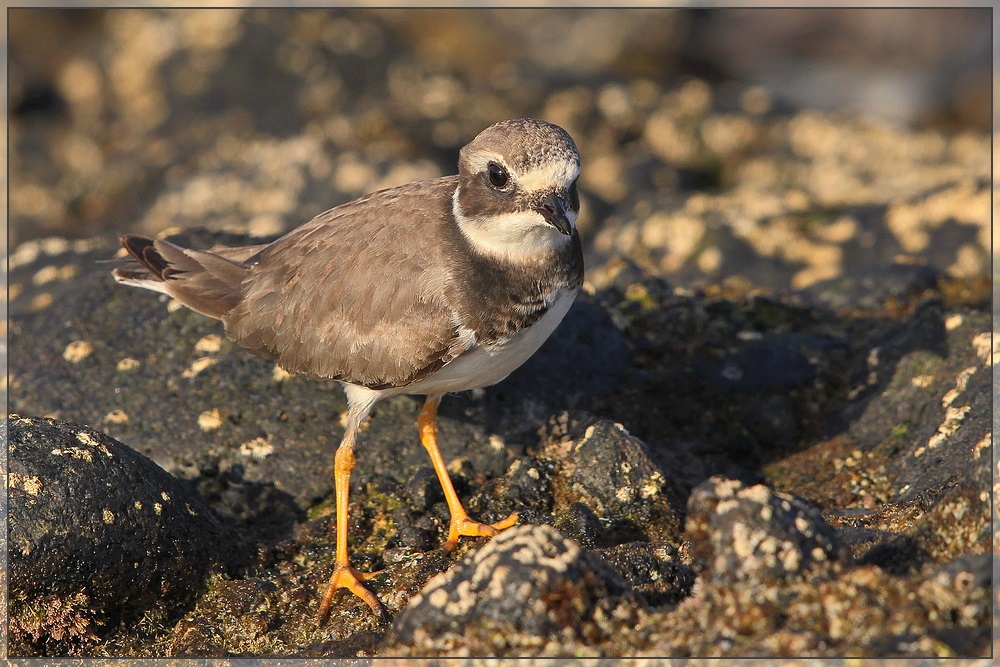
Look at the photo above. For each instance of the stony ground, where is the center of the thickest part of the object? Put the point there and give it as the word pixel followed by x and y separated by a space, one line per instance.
pixel 764 429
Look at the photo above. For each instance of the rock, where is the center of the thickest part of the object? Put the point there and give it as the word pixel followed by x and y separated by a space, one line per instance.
pixel 99 535
pixel 864 611
pixel 598 463
pixel 753 534
pixel 870 286
pixel 961 590
pixel 769 364
pixel 424 489
pixel 659 574
pixel 524 592
pixel 773 420
pixel 933 405
pixel 579 523
pixel 525 486
pixel 582 473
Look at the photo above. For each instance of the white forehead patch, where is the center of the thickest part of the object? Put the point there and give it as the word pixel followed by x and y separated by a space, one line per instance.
pixel 478 161
pixel 554 174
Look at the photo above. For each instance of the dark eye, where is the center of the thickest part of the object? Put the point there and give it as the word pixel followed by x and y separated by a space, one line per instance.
pixel 498 175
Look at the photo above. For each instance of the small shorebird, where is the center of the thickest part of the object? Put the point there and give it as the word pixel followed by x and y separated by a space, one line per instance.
pixel 432 287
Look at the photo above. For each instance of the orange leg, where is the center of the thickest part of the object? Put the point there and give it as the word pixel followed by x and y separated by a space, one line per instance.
pixel 460 524
pixel 345 576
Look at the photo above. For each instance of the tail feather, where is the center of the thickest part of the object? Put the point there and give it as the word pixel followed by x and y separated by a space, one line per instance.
pixel 142 249
pixel 203 281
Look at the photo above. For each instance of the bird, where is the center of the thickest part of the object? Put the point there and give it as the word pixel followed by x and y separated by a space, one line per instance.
pixel 433 287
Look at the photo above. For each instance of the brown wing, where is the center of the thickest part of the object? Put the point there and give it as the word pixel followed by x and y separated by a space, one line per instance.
pixel 358 293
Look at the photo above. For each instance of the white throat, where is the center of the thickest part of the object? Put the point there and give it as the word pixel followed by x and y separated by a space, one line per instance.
pixel 514 236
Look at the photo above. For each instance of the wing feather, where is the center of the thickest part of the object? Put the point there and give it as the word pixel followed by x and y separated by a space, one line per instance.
pixel 357 294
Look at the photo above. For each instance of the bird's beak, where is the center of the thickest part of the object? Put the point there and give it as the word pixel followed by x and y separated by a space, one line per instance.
pixel 553 210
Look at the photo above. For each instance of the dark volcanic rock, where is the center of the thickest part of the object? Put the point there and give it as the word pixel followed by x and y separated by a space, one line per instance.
pixel 769 364
pixel 98 534
pixel 523 592
pixel 598 463
pixel 580 523
pixel 934 404
pixel 753 534
pixel 423 488
pixel 658 573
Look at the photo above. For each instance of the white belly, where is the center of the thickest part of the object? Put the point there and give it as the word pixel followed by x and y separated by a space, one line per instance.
pixel 483 366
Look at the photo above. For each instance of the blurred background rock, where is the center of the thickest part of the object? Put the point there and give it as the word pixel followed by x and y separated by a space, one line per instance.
pixel 782 146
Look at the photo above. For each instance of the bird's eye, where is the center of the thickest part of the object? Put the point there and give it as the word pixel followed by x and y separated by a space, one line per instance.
pixel 498 175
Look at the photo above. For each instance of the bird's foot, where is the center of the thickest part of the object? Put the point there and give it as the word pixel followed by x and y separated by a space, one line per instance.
pixel 345 576
pixel 463 525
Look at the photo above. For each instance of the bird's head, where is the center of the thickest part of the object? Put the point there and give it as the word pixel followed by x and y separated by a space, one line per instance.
pixel 516 194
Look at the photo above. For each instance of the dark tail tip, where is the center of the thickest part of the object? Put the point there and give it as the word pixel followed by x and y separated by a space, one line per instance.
pixel 145 253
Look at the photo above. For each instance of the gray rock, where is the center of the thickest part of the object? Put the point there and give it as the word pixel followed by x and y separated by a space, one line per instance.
pixel 754 534
pixel 933 405
pixel 528 585
pixel 98 535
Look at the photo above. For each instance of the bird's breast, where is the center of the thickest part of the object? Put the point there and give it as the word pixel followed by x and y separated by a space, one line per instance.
pixel 486 364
